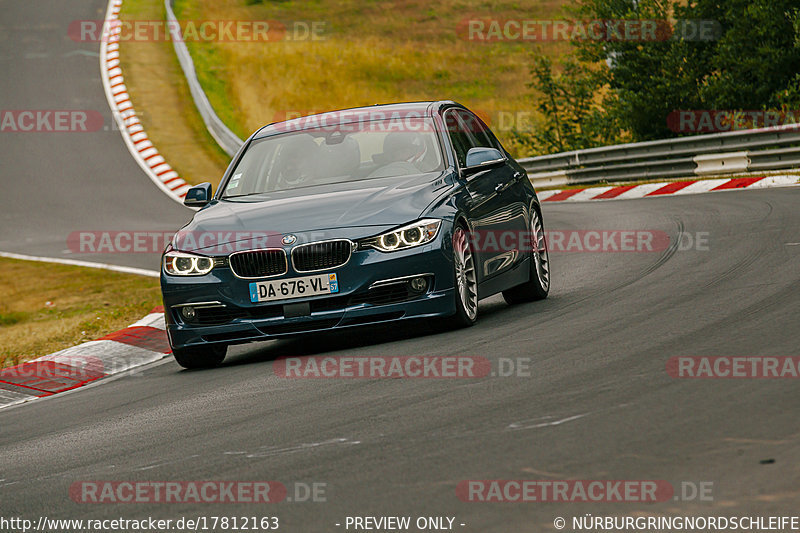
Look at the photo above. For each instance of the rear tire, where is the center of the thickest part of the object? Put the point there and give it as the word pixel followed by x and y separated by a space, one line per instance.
pixel 538 286
pixel 200 356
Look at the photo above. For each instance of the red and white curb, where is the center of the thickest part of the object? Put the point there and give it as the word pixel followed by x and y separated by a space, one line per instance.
pixel 139 344
pixel 140 146
pixel 646 190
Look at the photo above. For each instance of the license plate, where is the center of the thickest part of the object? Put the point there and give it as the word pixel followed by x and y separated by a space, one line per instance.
pixel 284 289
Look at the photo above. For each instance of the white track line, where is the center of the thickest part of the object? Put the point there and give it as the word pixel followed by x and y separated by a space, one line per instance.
pixel 89 264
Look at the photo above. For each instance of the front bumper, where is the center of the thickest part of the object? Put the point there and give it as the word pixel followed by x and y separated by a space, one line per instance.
pixel 355 304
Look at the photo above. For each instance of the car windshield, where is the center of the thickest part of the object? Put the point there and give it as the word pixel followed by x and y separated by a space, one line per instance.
pixel 336 154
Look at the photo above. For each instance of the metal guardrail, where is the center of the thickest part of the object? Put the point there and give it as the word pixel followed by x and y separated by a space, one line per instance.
pixel 227 140
pixel 775 148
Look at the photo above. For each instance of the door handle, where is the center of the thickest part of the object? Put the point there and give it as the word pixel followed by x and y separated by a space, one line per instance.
pixel 500 187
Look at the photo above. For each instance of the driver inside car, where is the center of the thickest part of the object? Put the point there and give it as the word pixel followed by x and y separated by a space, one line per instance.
pixel 299 155
pixel 402 154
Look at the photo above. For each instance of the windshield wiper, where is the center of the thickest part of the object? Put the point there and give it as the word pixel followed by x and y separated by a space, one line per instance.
pixel 242 195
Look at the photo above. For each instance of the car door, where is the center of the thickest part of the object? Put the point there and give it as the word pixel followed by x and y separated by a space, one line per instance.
pixel 496 212
pixel 509 179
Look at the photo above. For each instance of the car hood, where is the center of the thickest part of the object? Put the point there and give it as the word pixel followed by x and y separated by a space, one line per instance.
pixel 314 213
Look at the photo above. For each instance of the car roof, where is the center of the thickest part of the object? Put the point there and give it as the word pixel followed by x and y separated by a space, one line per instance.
pixel 352 115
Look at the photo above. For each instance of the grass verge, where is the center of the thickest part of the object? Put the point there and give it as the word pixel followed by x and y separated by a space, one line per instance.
pixel 46 307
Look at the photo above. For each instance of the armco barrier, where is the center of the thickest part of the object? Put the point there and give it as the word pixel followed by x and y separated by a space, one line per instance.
pixel 226 139
pixel 775 148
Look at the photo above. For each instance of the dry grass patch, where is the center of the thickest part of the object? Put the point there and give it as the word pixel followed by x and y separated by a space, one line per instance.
pixel 46 307
pixel 161 97
pixel 373 52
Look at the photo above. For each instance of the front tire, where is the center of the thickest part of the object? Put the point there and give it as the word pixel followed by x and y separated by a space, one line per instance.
pixel 466 282
pixel 538 286
pixel 200 356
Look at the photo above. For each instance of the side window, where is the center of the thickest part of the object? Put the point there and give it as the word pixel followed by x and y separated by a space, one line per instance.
pixel 481 137
pixel 459 137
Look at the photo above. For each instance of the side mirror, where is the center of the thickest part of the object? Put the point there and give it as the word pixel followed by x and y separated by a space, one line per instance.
pixel 198 196
pixel 482 158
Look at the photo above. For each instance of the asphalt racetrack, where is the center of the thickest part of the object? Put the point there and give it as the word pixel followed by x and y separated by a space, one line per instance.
pixel 597 402
pixel 58 183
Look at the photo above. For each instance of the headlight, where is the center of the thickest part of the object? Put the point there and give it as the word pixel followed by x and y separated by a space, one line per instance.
pixel 182 264
pixel 414 234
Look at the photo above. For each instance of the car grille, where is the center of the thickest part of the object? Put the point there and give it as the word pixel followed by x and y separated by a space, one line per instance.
pixel 258 263
pixel 321 255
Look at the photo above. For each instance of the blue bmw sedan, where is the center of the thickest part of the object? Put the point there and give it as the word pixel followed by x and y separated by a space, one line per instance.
pixel 348 218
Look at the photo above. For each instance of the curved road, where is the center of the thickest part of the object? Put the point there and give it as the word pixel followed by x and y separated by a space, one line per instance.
pixel 598 403
pixel 56 183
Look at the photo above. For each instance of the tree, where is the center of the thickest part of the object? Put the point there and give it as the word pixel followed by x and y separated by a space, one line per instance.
pixel 756 58
pixel 569 101
pixel 748 61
